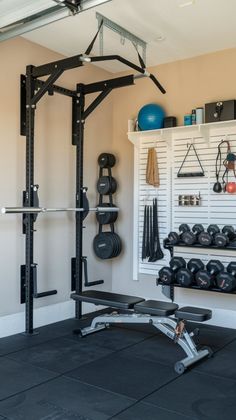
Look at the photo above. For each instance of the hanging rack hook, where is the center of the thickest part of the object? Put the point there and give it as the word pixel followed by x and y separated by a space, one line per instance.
pixel 191 143
pixel 146 199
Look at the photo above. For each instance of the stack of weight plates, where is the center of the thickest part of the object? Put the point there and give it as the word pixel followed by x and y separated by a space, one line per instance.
pixel 106 185
pixel 107 245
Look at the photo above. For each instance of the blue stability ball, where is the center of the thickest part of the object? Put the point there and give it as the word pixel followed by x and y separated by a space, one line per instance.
pixel 151 117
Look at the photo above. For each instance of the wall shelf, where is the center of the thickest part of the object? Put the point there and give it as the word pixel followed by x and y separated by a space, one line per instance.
pixel 170 247
pixel 191 131
pixel 194 287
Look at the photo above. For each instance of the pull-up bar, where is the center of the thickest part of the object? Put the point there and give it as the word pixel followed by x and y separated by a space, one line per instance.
pixel 12 210
pixel 56 68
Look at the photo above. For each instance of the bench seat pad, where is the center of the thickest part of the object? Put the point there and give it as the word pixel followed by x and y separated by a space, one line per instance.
pixel 156 307
pixel 113 300
pixel 191 313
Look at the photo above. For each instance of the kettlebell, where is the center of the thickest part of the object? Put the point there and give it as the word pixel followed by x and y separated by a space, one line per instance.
pixel 217 188
pixel 231 187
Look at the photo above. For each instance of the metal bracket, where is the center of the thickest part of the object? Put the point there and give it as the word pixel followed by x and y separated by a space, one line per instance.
pixel 122 32
pixel 87 283
pixel 72 5
pixel 36 295
pixel 22 105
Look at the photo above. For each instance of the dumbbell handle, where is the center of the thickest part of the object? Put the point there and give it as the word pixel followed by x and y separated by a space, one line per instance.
pixel 213 272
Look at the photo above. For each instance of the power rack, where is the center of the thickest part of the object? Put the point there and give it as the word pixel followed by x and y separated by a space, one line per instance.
pixel 32 90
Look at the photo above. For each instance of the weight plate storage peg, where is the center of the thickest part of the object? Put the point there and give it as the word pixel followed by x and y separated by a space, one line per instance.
pixel 106 185
pixel 106 160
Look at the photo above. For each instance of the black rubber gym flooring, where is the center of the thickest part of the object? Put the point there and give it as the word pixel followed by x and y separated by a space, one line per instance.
pixel 123 373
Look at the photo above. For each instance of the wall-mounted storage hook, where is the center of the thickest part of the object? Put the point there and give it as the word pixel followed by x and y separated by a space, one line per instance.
pixel 146 199
pixel 191 142
pixel 195 173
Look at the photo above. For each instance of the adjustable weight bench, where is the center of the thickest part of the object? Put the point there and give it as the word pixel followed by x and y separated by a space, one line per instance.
pixel 165 316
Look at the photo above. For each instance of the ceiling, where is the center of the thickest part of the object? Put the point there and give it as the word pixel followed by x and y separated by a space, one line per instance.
pixel 200 28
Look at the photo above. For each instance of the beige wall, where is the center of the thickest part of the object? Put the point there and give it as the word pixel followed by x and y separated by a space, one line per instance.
pixel 54 172
pixel 189 83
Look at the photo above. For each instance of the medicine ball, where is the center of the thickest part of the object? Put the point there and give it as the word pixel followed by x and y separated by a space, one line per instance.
pixel 151 117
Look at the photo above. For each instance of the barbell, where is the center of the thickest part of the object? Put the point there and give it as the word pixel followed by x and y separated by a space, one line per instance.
pixel 12 210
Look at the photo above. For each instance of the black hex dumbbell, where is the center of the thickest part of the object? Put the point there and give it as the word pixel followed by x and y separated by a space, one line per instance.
pixel 206 278
pixel 228 234
pixel 190 238
pixel 226 281
pixel 208 238
pixel 186 276
pixel 174 237
pixel 167 274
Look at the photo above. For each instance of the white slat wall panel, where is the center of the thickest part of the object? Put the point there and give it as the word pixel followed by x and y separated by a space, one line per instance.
pixel 148 192
pixel 214 208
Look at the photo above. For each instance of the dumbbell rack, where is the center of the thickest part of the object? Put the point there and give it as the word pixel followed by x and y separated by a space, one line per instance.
pixel 169 246
pixel 168 290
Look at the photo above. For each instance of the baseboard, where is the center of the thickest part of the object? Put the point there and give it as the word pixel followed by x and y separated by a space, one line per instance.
pixel 223 318
pixel 15 323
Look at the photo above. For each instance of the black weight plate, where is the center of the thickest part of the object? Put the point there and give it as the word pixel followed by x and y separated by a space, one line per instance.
pixel 85 205
pixel 105 218
pixel 103 185
pixel 103 245
pixel 106 160
pixel 115 245
pixel 106 185
pixel 112 160
pixel 118 247
pixel 113 185
pixel 103 160
pixel 114 216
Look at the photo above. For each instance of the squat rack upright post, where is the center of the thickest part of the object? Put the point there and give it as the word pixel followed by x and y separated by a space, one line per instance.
pixel 78 106
pixel 29 218
pixel 32 90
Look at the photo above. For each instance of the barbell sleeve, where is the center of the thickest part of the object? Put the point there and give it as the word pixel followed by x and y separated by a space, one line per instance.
pixel 32 210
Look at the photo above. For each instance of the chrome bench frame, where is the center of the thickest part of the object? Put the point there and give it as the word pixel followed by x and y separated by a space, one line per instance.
pixel 167 325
